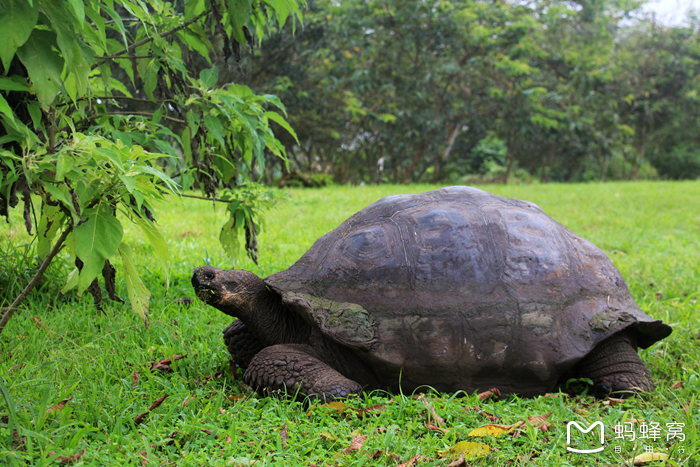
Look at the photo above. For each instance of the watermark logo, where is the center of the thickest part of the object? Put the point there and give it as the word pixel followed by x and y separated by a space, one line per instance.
pixel 584 431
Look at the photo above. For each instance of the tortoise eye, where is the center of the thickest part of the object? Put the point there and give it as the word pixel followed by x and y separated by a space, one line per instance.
pixel 209 276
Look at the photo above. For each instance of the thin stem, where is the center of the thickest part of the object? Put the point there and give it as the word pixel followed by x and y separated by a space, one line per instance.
pixel 37 277
pixel 149 39
pixel 207 199
pixel 144 114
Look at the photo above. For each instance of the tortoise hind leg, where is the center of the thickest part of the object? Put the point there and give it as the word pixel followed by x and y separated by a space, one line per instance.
pixel 616 368
pixel 241 343
pixel 292 368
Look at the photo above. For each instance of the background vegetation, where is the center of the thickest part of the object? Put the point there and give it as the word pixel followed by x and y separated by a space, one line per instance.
pixel 60 347
pixel 462 91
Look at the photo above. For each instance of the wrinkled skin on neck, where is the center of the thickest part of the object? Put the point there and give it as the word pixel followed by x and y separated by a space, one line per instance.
pixel 244 295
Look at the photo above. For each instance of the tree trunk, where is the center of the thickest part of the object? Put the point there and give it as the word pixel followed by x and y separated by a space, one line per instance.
pixel 412 166
pixel 451 137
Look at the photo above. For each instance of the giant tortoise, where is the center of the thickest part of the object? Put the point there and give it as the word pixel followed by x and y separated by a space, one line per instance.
pixel 455 289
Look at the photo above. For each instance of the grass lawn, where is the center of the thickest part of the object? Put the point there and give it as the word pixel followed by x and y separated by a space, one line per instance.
pixel 60 348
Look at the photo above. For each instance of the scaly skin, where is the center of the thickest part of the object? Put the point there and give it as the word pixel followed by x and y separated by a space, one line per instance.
pixel 241 343
pixel 616 368
pixel 292 368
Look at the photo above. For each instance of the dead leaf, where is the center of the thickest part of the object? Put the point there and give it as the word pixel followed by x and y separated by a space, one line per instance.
pixel 459 462
pixel 164 365
pixel 227 439
pixel 611 401
pixel 38 322
pixel 544 427
pixel 134 379
pixel 379 408
pixel 189 399
pixel 59 406
pixel 435 428
pixel 232 368
pixel 283 435
pixel 468 448
pixel 70 459
pixel 540 419
pixel 236 398
pixel 677 385
pixel 376 455
pixel 431 410
pixel 495 430
pixel 139 418
pixel 355 444
pixel 490 416
pixel 144 458
pixel 659 294
pixel 649 457
pixel 488 394
pixel 335 407
pixel 328 436
pixel 410 463
pixel 379 430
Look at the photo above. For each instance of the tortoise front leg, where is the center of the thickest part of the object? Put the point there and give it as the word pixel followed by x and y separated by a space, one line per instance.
pixel 291 368
pixel 241 343
pixel 616 368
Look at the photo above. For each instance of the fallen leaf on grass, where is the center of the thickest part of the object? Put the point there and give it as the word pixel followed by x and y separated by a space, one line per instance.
pixel 69 460
pixel 467 448
pixel 435 428
pixel 144 458
pixel 355 444
pixel 283 435
pixel 677 385
pixel 59 406
pixel 459 462
pixel 431 411
pixel 164 365
pixel 540 419
pixel 38 322
pixel 410 463
pixel 611 401
pixel 376 455
pixel 379 408
pixel 232 368
pixel 139 418
pixel 134 379
pixel 236 398
pixel 335 407
pixel 488 394
pixel 649 457
pixel 328 436
pixel 495 430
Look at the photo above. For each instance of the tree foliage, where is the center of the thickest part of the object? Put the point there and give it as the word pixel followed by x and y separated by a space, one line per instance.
pixel 101 114
pixel 574 90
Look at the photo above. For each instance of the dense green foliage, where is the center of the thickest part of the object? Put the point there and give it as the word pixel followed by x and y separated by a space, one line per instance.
pixel 98 101
pixel 455 91
pixel 56 350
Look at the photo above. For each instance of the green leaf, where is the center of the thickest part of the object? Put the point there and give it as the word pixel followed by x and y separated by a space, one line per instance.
pixel 5 108
pixel 238 14
pixel 17 20
pixel 79 10
pixel 129 182
pixel 96 240
pixel 139 296
pixel 277 118
pixel 214 125
pixel 49 222
pixel 7 84
pixel 228 237
pixel 71 281
pixel 64 163
pixel 62 25
pixel 160 246
pixel 209 77
pixel 44 65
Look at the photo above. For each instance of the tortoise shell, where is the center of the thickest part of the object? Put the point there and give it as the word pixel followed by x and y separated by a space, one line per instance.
pixel 463 289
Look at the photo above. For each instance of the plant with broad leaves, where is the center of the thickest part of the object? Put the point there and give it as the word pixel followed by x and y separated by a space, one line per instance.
pixel 101 99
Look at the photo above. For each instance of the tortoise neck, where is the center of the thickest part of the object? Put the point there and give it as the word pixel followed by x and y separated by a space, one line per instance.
pixel 271 321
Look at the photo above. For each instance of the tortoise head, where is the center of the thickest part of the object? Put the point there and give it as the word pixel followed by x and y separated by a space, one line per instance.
pixel 232 291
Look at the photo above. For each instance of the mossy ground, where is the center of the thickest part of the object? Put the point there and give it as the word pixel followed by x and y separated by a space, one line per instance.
pixel 60 347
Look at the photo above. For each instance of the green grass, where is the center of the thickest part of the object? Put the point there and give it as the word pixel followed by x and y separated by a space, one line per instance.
pixel 61 347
